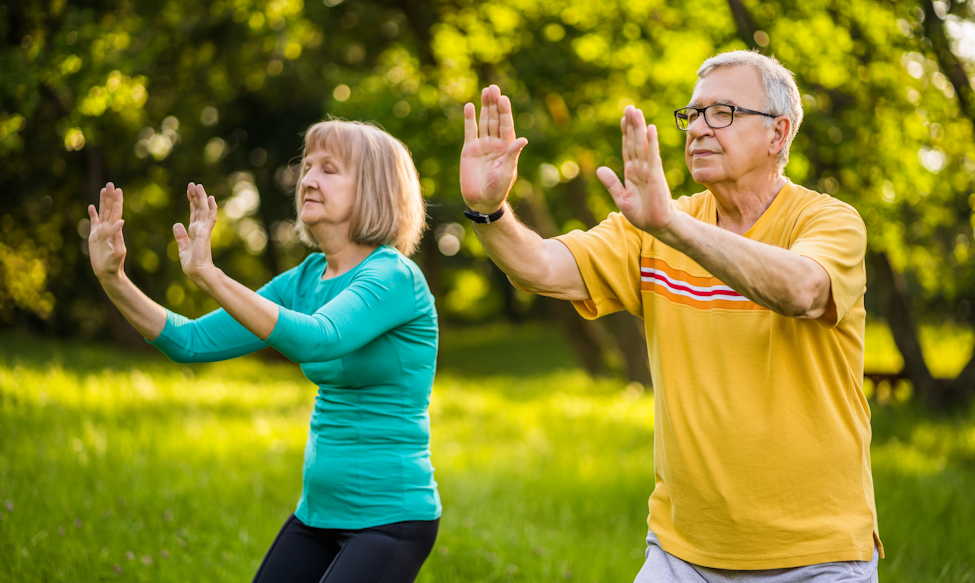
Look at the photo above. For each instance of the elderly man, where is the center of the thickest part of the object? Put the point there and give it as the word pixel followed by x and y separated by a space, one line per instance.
pixel 751 293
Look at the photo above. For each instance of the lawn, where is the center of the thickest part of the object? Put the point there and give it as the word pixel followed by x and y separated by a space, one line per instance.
pixel 117 465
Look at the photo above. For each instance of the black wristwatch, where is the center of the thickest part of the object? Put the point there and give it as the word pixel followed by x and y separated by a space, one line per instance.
pixel 483 218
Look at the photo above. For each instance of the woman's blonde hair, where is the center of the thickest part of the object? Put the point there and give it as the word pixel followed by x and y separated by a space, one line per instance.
pixel 389 208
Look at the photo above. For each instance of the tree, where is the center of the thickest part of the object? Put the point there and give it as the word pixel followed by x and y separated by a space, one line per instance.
pixel 154 94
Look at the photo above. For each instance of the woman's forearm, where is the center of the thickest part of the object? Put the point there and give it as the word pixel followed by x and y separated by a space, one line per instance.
pixel 145 315
pixel 255 312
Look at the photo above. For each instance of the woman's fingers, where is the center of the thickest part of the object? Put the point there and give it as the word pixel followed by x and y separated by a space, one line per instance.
pixel 182 238
pixel 103 200
pixel 117 238
pixel 193 197
pixel 116 204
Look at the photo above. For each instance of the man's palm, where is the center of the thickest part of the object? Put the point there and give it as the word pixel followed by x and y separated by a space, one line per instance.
pixel 489 160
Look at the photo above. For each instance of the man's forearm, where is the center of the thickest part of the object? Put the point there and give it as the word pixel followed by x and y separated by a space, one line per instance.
pixel 514 248
pixel 538 265
pixel 776 278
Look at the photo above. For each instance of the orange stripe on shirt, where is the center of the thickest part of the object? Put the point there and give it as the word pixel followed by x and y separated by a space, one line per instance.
pixel 683 288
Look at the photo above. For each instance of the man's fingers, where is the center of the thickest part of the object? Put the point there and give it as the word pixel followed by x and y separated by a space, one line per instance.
pixel 494 121
pixel 515 147
pixel 625 147
pixel 470 123
pixel 92 215
pixel 506 119
pixel 212 207
pixel 482 127
pixel 636 131
pixel 611 182
pixel 653 148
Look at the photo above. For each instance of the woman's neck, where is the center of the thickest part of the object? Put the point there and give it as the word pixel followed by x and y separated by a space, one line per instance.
pixel 341 253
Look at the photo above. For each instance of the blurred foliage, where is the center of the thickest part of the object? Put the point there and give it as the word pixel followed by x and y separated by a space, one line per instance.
pixel 154 94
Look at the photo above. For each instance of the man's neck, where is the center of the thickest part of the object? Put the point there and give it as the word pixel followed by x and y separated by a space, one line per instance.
pixel 740 203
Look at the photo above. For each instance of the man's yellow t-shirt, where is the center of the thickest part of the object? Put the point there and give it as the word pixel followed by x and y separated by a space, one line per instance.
pixel 762 432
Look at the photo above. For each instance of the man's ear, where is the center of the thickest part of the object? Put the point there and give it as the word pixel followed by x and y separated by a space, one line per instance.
pixel 780 133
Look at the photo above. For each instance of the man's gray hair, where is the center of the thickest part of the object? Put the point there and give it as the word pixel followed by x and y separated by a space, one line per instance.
pixel 780 88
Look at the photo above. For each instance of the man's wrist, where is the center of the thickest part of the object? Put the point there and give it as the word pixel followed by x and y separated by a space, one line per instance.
pixel 486 208
pixel 671 234
pixel 485 217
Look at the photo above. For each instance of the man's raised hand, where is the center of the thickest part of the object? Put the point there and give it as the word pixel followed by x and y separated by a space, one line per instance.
pixel 645 198
pixel 106 246
pixel 489 160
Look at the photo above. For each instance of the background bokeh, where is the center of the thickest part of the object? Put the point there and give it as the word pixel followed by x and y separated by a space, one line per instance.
pixel 152 94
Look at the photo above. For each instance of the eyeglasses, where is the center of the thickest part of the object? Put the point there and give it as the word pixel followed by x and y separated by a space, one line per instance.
pixel 717 115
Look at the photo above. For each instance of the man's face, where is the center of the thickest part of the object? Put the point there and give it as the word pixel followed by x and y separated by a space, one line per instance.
pixel 727 154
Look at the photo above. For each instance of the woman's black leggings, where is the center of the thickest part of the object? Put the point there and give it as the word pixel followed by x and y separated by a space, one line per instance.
pixel 391 553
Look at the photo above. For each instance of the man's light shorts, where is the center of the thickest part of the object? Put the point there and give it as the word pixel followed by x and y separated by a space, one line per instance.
pixel 662 567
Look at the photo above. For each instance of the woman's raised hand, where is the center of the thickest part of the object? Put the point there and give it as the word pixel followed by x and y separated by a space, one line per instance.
pixel 195 256
pixel 489 160
pixel 106 246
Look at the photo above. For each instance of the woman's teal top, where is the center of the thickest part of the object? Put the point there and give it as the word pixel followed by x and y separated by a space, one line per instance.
pixel 368 339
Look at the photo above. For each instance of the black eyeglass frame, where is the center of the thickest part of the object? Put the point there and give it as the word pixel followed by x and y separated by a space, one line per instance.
pixel 703 111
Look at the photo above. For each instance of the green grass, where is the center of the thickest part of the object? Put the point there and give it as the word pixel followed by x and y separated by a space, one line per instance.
pixel 121 466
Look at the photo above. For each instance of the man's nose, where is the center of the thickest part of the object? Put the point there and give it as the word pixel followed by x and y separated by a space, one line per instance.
pixel 699 127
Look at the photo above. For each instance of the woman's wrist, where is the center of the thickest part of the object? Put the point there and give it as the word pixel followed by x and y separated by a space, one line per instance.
pixel 207 278
pixel 111 279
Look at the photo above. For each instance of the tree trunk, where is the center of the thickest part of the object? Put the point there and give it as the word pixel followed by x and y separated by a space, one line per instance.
pixel 961 390
pixel 948 62
pixel 625 330
pixel 744 23
pixel 586 337
pixel 899 315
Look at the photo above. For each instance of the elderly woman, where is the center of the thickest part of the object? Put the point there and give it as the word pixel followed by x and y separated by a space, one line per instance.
pixel 360 321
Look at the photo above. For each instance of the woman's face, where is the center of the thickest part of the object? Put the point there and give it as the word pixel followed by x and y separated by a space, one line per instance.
pixel 327 193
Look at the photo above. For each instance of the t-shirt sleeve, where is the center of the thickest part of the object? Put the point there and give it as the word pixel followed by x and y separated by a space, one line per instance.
pixel 217 335
pixel 382 296
pixel 608 256
pixel 835 237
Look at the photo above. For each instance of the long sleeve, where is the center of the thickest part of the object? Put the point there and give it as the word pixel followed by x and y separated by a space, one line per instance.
pixel 379 298
pixel 217 335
